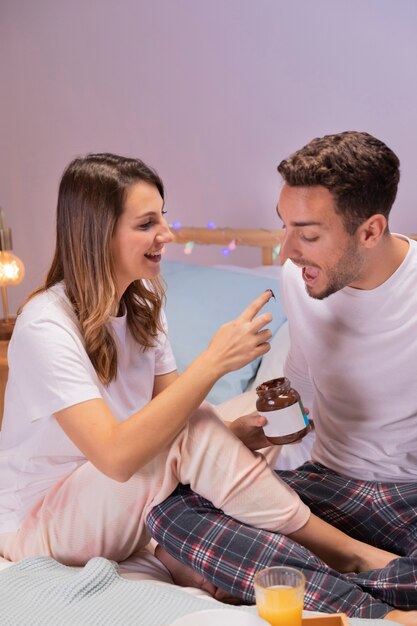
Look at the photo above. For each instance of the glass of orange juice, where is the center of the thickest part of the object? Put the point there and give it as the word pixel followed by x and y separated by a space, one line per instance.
pixel 279 593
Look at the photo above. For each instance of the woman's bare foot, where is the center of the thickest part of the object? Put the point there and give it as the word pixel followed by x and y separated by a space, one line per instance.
pixel 187 577
pixel 408 618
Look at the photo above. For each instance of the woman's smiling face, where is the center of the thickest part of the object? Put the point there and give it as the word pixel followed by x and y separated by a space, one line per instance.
pixel 139 237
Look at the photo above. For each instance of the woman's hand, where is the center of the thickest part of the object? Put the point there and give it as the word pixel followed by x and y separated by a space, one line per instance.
pixel 244 339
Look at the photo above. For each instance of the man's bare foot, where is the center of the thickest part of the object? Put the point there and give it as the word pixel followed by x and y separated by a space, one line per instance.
pixel 370 557
pixel 181 574
pixel 408 618
pixel 340 551
pixel 187 577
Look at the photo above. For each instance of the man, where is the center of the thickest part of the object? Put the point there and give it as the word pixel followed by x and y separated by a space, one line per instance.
pixel 349 289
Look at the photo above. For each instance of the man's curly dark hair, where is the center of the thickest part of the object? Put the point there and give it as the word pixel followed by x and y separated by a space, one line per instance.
pixel 360 171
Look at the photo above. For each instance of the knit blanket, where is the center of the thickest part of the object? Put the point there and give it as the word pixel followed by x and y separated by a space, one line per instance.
pixel 39 591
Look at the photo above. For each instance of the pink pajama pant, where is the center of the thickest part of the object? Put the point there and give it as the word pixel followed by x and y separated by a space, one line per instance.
pixel 87 514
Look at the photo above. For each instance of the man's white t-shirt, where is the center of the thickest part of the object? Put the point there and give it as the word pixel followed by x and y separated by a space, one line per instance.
pixel 355 354
pixel 49 370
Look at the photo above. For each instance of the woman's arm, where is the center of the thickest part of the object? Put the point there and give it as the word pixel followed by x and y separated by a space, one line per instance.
pixel 163 381
pixel 119 449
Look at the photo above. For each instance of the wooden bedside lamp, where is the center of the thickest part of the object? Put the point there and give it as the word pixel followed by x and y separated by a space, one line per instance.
pixel 12 272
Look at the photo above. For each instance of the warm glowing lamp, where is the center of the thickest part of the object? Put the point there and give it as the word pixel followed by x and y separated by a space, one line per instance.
pixel 12 272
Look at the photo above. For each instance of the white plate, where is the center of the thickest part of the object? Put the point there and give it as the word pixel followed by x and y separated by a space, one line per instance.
pixel 219 617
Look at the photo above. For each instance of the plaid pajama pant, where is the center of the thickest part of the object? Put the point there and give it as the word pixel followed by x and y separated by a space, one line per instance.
pixel 229 553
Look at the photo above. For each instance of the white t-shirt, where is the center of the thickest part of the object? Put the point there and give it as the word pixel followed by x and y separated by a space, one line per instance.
pixel 49 370
pixel 355 354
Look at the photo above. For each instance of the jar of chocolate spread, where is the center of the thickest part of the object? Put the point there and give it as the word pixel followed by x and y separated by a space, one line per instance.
pixel 282 407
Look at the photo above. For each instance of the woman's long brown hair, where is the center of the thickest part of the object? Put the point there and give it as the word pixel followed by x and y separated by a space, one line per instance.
pixel 90 201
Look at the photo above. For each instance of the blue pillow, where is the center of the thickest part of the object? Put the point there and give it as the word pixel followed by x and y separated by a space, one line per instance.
pixel 199 300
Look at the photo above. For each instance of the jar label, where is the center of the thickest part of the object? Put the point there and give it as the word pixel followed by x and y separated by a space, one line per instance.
pixel 285 421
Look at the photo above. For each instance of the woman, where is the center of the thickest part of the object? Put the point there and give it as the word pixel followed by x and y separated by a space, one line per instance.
pixel 98 425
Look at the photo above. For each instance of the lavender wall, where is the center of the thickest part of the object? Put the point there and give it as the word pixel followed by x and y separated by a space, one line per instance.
pixel 213 94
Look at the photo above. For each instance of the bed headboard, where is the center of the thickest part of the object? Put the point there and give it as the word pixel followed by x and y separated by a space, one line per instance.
pixel 262 238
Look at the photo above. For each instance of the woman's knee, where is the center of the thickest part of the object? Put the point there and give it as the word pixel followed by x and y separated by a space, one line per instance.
pixel 206 419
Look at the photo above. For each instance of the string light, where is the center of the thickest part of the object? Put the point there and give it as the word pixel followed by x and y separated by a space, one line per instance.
pixel 232 245
pixel 226 252
pixel 188 248
pixel 275 251
pixel 211 225
pixel 175 225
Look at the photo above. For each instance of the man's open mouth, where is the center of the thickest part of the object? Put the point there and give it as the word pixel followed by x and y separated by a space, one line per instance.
pixel 310 274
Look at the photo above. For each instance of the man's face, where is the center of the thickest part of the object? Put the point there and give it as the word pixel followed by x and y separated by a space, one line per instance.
pixel 316 240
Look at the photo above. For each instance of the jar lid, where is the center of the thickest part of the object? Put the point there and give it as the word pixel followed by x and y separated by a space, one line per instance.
pixel 275 384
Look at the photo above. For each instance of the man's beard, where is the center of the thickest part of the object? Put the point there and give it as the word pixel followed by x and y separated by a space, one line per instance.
pixel 345 272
